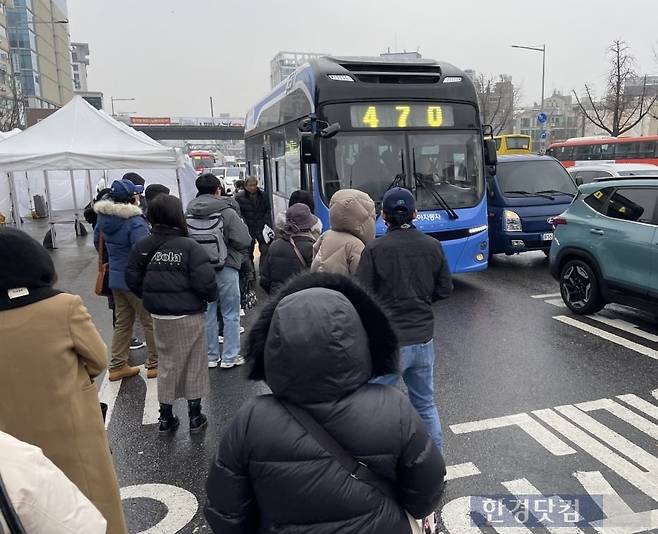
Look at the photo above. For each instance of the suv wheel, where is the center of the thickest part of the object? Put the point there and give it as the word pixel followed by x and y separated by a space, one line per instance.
pixel 580 288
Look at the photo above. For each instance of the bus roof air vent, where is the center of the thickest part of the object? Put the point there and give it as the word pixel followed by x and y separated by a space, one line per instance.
pixel 394 73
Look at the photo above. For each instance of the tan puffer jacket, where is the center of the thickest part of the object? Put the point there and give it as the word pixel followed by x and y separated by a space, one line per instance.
pixel 352 218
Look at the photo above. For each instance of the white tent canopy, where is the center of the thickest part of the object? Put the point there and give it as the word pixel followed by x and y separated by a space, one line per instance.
pixel 64 156
pixel 79 137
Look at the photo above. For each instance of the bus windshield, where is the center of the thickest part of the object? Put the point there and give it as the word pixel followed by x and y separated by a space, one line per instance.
pixel 426 162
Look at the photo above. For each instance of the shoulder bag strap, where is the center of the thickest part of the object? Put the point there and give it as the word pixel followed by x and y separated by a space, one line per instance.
pixel 357 470
pixel 9 513
pixel 297 252
pixel 101 251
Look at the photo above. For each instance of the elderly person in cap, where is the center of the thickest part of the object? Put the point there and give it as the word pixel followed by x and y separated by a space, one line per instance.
pixel 51 353
pixel 292 252
pixel 120 225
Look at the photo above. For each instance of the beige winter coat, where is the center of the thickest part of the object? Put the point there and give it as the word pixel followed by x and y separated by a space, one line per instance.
pixel 45 501
pixel 50 351
pixel 352 219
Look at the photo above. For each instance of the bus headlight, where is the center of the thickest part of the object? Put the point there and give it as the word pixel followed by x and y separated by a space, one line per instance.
pixel 511 221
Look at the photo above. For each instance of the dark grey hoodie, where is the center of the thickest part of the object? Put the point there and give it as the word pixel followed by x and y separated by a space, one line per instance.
pixel 236 233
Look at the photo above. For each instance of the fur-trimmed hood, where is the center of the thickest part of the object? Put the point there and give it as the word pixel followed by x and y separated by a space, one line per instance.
pixel 117 209
pixel 321 338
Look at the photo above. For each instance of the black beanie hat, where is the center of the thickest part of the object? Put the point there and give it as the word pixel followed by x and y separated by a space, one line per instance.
pixel 134 178
pixel 302 197
pixel 154 190
pixel 27 272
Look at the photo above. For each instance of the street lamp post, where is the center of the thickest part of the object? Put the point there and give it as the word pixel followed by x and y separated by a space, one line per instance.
pixel 113 100
pixel 542 49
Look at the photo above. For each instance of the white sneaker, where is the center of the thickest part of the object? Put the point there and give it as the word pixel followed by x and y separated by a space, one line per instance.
pixel 242 313
pixel 221 339
pixel 228 364
pixel 242 330
pixel 212 364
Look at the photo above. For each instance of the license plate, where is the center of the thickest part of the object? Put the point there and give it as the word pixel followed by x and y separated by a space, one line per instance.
pixel 547 237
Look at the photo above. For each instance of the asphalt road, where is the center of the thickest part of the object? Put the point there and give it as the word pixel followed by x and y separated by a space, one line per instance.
pixel 513 372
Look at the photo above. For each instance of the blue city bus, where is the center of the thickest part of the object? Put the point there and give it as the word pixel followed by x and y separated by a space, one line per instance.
pixel 372 124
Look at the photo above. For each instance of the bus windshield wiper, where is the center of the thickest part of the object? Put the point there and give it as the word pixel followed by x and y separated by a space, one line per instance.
pixel 398 181
pixel 558 192
pixel 529 194
pixel 437 196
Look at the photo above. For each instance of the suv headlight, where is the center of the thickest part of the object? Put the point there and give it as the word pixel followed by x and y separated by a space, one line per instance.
pixel 511 221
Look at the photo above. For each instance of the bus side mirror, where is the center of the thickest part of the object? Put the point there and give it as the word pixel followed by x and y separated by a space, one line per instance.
pixel 309 147
pixel 490 156
pixel 330 131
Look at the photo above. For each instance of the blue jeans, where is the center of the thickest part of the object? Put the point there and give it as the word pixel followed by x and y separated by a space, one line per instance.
pixel 417 369
pixel 228 289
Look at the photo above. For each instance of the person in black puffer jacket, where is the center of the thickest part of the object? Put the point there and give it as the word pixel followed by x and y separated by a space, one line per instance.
pixel 256 212
pixel 292 252
pixel 173 276
pixel 316 345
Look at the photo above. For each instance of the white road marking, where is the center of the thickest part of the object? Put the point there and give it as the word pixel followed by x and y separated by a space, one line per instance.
pixel 151 404
pixel 655 393
pixel 597 486
pixel 540 434
pixel 641 480
pixel 456 517
pixel 559 303
pixel 623 413
pixel 108 393
pixel 642 405
pixel 522 487
pixel 181 505
pixel 626 327
pixel 546 296
pixel 608 336
pixel 612 438
pixel 461 471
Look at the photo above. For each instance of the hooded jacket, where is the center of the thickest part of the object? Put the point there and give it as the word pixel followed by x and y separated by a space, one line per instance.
pixel 172 274
pixel 122 226
pixel 317 344
pixel 236 233
pixel 281 261
pixel 352 219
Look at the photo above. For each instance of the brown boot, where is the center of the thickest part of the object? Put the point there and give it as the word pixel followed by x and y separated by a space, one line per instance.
pixel 123 372
pixel 152 373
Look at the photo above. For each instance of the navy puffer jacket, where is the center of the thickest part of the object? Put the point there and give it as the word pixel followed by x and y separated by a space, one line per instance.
pixel 317 344
pixel 122 226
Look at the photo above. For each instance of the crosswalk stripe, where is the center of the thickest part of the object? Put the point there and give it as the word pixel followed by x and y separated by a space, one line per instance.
pixel 614 338
pixel 546 296
pixel 612 438
pixel 596 485
pixel 108 393
pixel 623 413
pixel 151 404
pixel 642 405
pixel 641 480
pixel 540 434
pixel 522 487
pixel 456 517
pixel 626 327
pixel 461 470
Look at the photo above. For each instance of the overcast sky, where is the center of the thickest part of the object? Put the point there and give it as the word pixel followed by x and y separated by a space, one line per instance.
pixel 172 55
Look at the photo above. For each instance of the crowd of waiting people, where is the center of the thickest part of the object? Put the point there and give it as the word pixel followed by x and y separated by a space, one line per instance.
pixel 332 449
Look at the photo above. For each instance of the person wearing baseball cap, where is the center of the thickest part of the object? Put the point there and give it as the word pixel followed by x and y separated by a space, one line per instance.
pixel 408 271
pixel 120 225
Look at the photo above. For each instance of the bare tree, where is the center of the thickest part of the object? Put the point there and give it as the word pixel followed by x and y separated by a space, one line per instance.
pixel 627 99
pixel 12 106
pixel 498 98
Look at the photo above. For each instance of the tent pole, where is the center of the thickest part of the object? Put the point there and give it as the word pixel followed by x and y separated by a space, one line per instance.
pixel 16 215
pixel 75 201
pixel 180 192
pixel 51 223
pixel 91 190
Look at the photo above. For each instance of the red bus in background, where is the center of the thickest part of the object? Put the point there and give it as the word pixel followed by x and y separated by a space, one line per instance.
pixel 606 149
pixel 202 160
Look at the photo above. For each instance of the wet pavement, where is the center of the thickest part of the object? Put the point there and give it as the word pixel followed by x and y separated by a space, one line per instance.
pixel 532 400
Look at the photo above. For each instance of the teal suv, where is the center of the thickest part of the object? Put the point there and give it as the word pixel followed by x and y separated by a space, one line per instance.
pixel 606 246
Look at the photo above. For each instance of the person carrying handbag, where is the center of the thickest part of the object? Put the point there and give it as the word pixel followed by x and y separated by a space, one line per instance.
pixel 317 344
pixel 292 252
